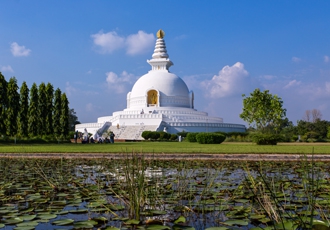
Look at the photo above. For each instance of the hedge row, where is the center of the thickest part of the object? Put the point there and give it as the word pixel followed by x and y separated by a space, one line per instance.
pixel 154 135
pixel 206 138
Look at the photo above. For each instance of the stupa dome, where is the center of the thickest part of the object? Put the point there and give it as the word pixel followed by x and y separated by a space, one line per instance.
pixel 159 87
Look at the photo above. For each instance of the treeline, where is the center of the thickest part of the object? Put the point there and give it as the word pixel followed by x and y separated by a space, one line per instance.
pixel 37 112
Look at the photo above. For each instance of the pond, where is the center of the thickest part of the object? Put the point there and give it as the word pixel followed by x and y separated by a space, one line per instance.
pixel 135 193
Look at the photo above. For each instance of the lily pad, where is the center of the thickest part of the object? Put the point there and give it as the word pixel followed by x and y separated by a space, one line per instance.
pixel 63 222
pixel 237 222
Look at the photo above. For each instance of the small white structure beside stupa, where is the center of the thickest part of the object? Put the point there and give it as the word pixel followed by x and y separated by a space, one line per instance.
pixel 159 101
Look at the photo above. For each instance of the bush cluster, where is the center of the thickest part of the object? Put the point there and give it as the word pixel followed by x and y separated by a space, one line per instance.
pixel 266 139
pixel 191 137
pixel 210 138
pixel 162 136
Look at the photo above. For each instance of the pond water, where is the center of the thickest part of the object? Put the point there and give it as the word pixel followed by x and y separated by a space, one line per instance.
pixel 135 193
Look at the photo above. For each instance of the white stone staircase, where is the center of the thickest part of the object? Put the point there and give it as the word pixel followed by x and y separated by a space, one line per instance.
pixel 132 132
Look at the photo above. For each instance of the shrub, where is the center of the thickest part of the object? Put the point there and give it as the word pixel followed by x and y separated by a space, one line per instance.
pixel 210 138
pixel 266 139
pixel 173 137
pixel 154 135
pixel 164 136
pixel 191 137
pixel 146 135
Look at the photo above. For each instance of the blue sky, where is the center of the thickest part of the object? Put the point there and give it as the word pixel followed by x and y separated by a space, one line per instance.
pixel 94 51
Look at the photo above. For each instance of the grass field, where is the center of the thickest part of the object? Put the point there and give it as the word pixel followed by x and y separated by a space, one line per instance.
pixel 170 147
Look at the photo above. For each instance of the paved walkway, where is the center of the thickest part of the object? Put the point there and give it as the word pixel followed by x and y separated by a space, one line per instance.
pixel 181 156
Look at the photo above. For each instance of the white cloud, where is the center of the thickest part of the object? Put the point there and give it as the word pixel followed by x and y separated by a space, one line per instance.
pixel 326 59
pixel 230 81
pixel 7 69
pixel 119 83
pixel 139 43
pixel 69 89
pixel 292 83
pixel 108 42
pixel 19 51
pixel 134 44
pixel 296 59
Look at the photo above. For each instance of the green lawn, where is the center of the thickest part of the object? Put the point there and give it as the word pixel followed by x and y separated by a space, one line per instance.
pixel 169 147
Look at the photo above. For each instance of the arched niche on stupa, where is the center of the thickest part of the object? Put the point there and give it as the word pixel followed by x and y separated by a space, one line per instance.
pixel 152 97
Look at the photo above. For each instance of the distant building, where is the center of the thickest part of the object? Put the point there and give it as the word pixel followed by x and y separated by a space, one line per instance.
pixel 159 100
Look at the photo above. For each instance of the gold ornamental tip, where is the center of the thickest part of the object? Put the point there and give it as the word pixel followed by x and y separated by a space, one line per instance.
pixel 160 33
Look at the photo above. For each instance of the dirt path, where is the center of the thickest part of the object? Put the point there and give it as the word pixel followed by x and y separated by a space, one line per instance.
pixel 181 156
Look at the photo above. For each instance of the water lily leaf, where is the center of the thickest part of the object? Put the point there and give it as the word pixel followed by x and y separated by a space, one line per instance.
pixel 180 227
pixel 286 225
pixel 111 228
pixel 2 225
pixel 26 210
pixel 74 211
pixel 63 222
pixel 180 219
pixel 100 219
pixel 28 224
pixel 25 228
pixel 157 212
pixel 28 217
pixel 62 194
pixel 14 220
pixel 237 222
pixel 158 227
pixel 132 221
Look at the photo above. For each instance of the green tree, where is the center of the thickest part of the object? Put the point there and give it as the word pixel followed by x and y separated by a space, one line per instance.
pixel 42 105
pixel 263 110
pixel 50 108
pixel 23 111
pixel 73 120
pixel 33 111
pixel 57 112
pixel 64 120
pixel 13 107
pixel 3 103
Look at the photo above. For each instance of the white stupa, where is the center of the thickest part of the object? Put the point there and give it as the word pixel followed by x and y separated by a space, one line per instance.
pixel 159 101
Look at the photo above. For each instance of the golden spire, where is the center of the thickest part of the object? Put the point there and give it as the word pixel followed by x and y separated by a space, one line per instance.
pixel 160 33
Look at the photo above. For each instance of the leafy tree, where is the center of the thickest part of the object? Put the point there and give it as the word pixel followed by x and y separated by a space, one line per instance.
pixel 57 112
pixel 73 120
pixel 3 103
pixel 50 108
pixel 316 130
pixel 42 105
pixel 23 110
pixel 263 110
pixel 64 119
pixel 33 111
pixel 13 107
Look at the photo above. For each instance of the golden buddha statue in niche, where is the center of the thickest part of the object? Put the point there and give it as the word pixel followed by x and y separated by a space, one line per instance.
pixel 152 97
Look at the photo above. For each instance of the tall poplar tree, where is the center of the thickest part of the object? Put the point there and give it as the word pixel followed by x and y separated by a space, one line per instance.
pixel 64 116
pixel 42 105
pixel 23 111
pixel 57 112
pixel 50 108
pixel 3 103
pixel 33 111
pixel 13 107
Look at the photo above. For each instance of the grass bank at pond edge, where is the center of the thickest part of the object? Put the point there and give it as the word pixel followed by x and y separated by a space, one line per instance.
pixel 172 147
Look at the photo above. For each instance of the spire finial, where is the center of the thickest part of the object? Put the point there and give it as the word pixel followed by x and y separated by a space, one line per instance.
pixel 160 33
